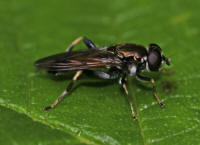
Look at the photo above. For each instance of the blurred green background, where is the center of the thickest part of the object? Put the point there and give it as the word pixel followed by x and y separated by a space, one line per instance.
pixel 96 111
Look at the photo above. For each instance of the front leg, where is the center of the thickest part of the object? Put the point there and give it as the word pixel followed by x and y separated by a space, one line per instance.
pixel 143 78
pixel 162 70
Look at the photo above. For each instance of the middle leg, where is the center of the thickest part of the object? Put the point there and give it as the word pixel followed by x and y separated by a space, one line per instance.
pixel 123 82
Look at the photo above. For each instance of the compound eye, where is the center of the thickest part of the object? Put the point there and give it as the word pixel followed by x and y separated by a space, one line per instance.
pixel 154 60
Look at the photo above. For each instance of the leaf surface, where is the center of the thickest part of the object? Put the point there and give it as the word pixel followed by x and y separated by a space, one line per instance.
pixel 96 111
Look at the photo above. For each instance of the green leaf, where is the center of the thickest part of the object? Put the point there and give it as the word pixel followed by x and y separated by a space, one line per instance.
pixel 19 129
pixel 96 111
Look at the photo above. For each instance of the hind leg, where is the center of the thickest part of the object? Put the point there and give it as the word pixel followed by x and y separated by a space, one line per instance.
pixel 68 89
pixel 86 41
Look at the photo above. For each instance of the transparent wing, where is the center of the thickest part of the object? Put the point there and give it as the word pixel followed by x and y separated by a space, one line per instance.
pixel 79 60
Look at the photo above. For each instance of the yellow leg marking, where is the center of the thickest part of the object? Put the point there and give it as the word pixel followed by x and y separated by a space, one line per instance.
pixel 59 99
pixel 125 89
pixel 155 94
pixel 76 41
pixel 78 73
pixel 129 101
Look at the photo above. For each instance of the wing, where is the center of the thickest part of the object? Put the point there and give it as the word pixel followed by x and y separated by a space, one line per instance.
pixel 79 60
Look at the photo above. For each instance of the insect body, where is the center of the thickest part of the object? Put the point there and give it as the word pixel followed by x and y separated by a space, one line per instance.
pixel 119 61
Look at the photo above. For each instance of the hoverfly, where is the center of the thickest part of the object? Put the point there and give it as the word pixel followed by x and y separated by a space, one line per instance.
pixel 119 61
